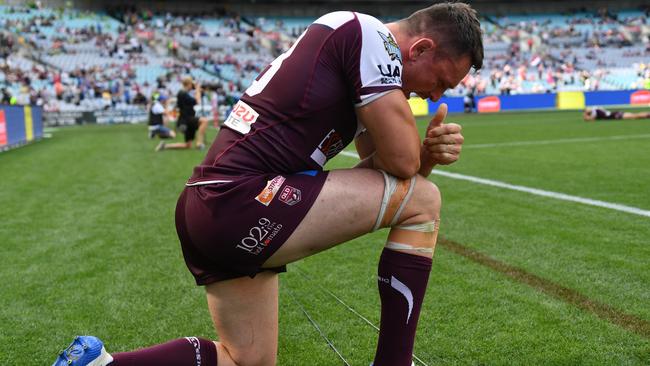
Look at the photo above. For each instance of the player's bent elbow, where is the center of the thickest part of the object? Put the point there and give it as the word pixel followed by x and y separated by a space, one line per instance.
pixel 404 169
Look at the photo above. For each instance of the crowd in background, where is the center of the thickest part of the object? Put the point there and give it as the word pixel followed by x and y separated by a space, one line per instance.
pixel 136 54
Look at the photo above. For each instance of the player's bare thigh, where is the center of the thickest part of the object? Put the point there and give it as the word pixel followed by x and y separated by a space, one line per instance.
pixel 244 311
pixel 346 208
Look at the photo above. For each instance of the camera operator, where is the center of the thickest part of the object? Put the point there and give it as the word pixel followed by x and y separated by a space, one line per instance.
pixel 188 123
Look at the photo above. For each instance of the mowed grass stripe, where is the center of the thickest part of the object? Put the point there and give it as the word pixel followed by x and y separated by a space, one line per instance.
pixel 603 311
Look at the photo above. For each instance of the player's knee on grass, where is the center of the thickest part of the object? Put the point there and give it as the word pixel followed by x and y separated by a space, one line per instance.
pixel 411 208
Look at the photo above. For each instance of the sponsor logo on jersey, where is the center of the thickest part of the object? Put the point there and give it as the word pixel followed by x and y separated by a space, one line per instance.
pixel 391 74
pixel 272 187
pixel 259 236
pixel 290 195
pixel 241 118
pixel 391 47
pixel 389 71
pixel 331 145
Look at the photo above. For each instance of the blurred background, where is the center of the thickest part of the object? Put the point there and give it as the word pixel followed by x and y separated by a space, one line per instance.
pixel 101 61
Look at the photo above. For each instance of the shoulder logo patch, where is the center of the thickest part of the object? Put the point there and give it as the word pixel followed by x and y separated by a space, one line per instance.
pixel 391 47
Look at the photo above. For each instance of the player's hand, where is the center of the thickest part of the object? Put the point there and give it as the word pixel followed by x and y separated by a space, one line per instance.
pixel 443 141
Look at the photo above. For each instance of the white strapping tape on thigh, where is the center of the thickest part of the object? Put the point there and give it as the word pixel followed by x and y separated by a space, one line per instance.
pixel 389 189
pixel 390 184
pixel 425 227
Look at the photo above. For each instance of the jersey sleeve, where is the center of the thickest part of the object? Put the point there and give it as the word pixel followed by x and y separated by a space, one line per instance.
pixel 380 62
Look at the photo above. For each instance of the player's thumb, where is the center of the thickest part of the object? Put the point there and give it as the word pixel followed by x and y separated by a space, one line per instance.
pixel 439 117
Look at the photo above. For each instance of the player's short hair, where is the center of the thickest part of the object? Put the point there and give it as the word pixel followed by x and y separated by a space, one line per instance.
pixel 454 26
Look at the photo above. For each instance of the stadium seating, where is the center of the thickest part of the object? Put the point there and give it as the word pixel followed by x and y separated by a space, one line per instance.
pixel 90 53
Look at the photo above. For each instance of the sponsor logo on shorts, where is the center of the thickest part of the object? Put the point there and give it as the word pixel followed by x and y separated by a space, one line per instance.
pixel 259 236
pixel 272 187
pixel 290 195
pixel 331 145
pixel 241 118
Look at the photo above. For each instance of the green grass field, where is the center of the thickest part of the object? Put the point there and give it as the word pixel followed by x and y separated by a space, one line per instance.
pixel 88 246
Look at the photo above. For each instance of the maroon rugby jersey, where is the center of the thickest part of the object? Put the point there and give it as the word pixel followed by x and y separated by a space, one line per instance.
pixel 300 111
pixel 599 113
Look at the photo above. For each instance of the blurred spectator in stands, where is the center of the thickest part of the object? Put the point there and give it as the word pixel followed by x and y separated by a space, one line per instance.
pixel 6 96
pixel 468 101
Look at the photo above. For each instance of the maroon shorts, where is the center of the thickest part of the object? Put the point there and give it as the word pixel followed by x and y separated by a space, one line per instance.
pixel 228 230
pixel 617 115
pixel 613 115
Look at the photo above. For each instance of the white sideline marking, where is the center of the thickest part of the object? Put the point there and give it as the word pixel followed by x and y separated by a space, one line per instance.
pixel 558 141
pixel 306 275
pixel 317 327
pixel 535 191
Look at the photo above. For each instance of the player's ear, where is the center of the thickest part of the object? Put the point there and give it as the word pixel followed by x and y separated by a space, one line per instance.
pixel 421 46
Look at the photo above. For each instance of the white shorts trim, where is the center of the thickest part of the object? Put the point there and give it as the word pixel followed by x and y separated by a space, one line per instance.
pixel 206 182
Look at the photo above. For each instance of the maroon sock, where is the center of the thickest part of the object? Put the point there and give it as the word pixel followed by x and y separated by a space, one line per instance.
pixel 188 351
pixel 402 282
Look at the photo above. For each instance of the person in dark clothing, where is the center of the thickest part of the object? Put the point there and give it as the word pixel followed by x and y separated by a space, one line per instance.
pixel 6 96
pixel 188 123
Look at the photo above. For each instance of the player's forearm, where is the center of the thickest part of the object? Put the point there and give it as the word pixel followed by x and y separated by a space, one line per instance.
pixel 399 166
pixel 425 165
pixel 374 162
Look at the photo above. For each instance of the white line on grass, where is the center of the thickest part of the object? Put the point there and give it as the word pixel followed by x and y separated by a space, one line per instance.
pixel 315 325
pixel 535 191
pixel 304 274
pixel 558 141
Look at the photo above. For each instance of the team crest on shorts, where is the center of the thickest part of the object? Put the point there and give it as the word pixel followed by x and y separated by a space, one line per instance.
pixel 268 193
pixel 290 195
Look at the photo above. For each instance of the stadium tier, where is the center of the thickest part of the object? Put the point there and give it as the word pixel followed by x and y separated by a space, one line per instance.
pixel 68 60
